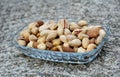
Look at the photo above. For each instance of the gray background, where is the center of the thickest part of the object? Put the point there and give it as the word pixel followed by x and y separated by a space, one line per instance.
pixel 14 14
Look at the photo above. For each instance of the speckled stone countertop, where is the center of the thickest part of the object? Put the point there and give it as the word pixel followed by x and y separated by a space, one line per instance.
pixel 15 14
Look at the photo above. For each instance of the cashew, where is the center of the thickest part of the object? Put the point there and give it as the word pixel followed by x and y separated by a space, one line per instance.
pixel 81 49
pixel 21 42
pixel 82 23
pixel 75 42
pixel 91 47
pixel 32 38
pixel 67 32
pixel 41 46
pixel 85 42
pixel 63 38
pixel 73 26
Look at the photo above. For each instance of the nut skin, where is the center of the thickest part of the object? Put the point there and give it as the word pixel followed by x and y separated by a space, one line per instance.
pixel 91 47
pixel 85 42
pixel 67 49
pixel 82 23
pixel 93 33
pixel 49 45
pixel 21 42
pixel 40 23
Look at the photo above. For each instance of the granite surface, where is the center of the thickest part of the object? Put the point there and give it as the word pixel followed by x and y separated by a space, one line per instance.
pixel 14 14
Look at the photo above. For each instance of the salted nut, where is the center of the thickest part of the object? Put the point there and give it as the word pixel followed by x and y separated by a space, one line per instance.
pixel 63 36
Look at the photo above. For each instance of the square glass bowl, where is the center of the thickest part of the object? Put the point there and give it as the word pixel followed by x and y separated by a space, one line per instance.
pixel 66 57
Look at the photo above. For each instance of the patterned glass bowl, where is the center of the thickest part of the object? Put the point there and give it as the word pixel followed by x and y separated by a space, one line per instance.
pixel 66 57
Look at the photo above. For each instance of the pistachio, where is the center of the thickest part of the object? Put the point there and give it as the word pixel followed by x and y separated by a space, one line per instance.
pixel 75 42
pixel 85 42
pixel 26 36
pixel 32 38
pixel 82 23
pixel 44 32
pixel 60 48
pixel 81 49
pixel 91 47
pixel 21 42
pixel 54 48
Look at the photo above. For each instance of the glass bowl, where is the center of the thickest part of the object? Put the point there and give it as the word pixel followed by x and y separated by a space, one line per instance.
pixel 66 57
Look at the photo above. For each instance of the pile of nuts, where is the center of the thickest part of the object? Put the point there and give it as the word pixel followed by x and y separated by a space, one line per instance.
pixel 62 36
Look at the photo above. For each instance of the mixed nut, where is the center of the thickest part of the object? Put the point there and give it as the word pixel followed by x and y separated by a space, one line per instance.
pixel 63 36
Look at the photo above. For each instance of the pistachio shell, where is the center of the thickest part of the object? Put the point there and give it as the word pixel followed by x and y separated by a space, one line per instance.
pixel 85 42
pixel 91 47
